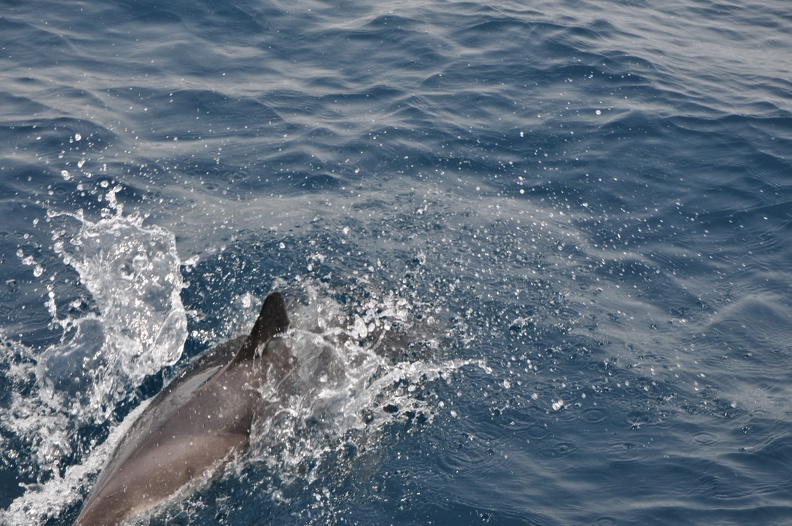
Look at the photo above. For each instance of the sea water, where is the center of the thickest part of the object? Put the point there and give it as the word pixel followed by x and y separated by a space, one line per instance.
pixel 536 254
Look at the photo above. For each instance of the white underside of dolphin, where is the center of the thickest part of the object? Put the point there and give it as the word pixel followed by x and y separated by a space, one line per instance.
pixel 198 423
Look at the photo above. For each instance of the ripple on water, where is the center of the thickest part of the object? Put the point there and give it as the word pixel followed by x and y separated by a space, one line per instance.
pixel 705 438
pixel 556 448
pixel 594 415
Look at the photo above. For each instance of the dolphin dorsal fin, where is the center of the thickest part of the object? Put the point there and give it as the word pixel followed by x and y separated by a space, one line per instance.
pixel 271 321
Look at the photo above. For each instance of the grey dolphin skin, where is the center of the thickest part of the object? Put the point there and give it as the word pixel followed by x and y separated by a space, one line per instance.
pixel 198 423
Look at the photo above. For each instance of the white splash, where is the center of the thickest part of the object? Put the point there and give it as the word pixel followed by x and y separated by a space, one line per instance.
pixel 352 382
pixel 131 272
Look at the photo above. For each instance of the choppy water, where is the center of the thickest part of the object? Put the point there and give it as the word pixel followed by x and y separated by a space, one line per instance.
pixel 543 248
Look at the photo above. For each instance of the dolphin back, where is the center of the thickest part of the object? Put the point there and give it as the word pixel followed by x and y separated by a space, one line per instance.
pixel 195 425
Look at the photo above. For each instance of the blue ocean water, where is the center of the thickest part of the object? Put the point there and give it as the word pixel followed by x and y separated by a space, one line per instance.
pixel 548 243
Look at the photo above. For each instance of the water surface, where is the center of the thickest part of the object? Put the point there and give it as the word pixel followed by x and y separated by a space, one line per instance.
pixel 546 244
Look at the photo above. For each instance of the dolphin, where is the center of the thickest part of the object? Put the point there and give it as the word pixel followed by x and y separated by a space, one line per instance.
pixel 196 424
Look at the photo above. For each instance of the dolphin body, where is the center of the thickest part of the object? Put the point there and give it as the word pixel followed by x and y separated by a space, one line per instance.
pixel 197 424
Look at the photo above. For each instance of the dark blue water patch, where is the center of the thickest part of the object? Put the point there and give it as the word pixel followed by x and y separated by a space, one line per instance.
pixel 760 462
pixel 9 486
pixel 407 486
pixel 191 114
pixel 463 513
pixel 36 137
pixel 27 39
pixel 684 514
pixel 22 293
pixel 64 144
pixel 23 109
